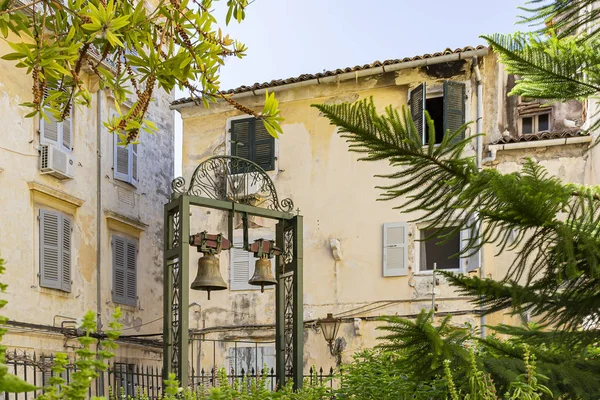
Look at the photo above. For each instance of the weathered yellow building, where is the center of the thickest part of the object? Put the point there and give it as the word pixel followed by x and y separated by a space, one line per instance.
pixel 81 223
pixel 362 258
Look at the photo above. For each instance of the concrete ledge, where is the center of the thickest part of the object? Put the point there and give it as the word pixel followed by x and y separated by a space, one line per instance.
pixel 121 223
pixel 45 195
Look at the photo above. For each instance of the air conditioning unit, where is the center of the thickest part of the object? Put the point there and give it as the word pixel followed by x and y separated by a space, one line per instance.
pixel 56 162
pixel 247 185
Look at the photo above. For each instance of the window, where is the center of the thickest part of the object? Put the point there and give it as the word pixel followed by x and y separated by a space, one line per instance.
pixel 535 123
pixel 55 250
pixel 57 133
pixel 125 379
pixel 125 163
pixel 395 249
pixel 250 140
pixel 444 251
pixel 447 109
pixel 124 252
pixel 242 263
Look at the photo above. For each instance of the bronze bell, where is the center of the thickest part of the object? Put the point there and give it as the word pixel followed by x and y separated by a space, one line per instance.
pixel 263 274
pixel 209 276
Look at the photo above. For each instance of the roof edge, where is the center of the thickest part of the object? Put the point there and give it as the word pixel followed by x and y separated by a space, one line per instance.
pixel 374 68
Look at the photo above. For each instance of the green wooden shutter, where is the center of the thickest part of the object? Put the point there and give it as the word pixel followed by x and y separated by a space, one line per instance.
pixel 417 109
pixel 50 249
pixel 263 147
pixel 454 107
pixel 119 269
pixel 395 249
pixel 131 274
pixel 66 253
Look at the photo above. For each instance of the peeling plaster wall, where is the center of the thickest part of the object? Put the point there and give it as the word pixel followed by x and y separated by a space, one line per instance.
pixel 336 195
pixel 19 236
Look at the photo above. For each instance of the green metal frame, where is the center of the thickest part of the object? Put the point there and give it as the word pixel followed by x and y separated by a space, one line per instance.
pixel 289 340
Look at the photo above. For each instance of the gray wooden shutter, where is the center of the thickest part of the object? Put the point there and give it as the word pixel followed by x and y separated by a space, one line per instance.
pixel 395 249
pixel 471 261
pixel 454 107
pixel 50 249
pixel 131 274
pixel 263 147
pixel 66 253
pixel 417 109
pixel 239 270
pixel 119 250
pixel 241 130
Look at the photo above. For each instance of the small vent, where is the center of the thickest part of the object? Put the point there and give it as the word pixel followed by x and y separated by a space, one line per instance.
pixel 44 159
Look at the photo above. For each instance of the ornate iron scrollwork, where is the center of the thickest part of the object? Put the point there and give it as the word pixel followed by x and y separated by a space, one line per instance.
pixel 234 179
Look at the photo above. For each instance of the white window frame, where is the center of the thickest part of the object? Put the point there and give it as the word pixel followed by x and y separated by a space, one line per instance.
pixel 417 251
pixel 535 127
pixel 59 134
pixel 128 177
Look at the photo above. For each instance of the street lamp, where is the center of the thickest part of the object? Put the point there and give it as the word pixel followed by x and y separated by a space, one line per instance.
pixel 330 327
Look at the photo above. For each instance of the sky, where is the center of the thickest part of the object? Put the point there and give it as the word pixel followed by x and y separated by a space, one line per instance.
pixel 288 38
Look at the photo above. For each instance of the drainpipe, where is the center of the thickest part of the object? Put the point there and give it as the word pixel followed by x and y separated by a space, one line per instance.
pixel 479 160
pixel 99 228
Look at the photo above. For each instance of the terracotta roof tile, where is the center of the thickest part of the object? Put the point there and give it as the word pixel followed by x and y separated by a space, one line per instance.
pixel 541 136
pixel 339 71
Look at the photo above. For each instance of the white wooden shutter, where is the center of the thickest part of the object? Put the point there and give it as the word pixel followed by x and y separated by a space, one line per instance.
pixel 66 253
pixel 133 155
pixel 471 261
pixel 49 130
pixel 119 251
pixel 395 249
pixel 131 274
pixel 239 270
pixel 50 249
pixel 67 136
pixel 122 162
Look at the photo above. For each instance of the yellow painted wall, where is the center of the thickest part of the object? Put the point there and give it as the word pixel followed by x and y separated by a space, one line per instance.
pixel 336 194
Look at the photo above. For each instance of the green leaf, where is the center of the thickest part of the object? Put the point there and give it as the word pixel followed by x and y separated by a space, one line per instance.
pixel 11 384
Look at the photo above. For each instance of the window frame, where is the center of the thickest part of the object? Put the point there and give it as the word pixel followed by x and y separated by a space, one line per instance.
pixel 228 143
pixel 127 240
pixel 131 154
pixel 463 267
pixel 60 284
pixel 535 123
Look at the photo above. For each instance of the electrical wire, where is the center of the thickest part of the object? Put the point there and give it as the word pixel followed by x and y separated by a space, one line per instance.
pixel 147 323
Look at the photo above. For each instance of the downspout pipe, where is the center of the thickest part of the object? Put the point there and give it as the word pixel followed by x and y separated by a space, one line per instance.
pixel 479 161
pixel 100 386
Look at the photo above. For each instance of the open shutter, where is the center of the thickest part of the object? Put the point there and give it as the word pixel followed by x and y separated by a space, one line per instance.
pixel 264 147
pixel 49 131
pixel 454 107
pixel 119 269
pixel 131 274
pixel 241 130
pixel 50 249
pixel 471 261
pixel 395 249
pixel 239 270
pixel 134 163
pixel 66 253
pixel 121 161
pixel 67 137
pixel 417 109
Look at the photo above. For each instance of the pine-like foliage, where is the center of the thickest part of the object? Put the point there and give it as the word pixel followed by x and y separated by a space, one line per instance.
pixel 554 228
